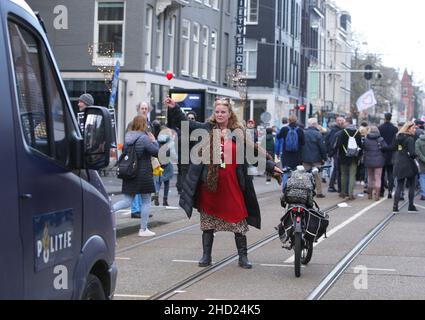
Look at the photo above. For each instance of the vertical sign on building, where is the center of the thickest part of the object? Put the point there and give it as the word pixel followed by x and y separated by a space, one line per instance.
pixel 240 36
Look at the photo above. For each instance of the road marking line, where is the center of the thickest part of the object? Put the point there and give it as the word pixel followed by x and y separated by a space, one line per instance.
pixel 376 269
pixel 342 225
pixel 185 261
pixel 122 258
pixel 130 296
pixel 180 291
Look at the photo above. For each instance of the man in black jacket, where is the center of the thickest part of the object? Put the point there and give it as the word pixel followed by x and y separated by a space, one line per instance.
pixel 332 153
pixel 388 132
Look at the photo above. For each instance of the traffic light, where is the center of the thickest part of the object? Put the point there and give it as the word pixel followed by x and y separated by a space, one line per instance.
pixel 368 75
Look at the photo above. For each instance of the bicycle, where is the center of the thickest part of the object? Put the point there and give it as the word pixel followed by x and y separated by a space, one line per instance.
pixel 303 223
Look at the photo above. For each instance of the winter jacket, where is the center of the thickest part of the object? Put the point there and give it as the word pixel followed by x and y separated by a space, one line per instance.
pixel 314 149
pixel 291 159
pixel 145 149
pixel 373 151
pixel 197 174
pixel 389 132
pixel 342 143
pixel 330 141
pixel 420 152
pixel 404 159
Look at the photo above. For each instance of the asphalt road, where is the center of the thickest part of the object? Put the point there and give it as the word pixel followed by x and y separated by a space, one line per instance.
pixel 394 260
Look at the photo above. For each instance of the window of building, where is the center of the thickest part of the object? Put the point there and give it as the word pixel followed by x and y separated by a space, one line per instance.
pixel 160 43
pixel 185 44
pixel 148 35
pixel 252 11
pixel 109 33
pixel 250 58
pixel 196 44
pixel 214 41
pixel 171 42
pixel 205 45
pixel 207 3
pixel 42 107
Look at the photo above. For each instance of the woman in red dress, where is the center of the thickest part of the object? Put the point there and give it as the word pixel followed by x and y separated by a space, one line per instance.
pixel 222 191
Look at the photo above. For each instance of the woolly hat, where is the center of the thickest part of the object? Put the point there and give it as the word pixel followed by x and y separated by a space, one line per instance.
pixel 87 99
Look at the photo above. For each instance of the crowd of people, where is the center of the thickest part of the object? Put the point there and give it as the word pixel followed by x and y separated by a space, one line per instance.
pixel 379 158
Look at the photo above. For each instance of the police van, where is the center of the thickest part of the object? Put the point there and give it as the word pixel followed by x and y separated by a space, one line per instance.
pixel 57 233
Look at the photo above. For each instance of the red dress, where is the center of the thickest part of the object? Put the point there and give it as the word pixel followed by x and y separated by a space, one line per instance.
pixel 227 202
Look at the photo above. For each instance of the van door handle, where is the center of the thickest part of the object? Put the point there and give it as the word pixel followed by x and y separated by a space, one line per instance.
pixel 26 196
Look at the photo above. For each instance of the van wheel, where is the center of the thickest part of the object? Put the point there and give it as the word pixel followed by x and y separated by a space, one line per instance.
pixel 93 289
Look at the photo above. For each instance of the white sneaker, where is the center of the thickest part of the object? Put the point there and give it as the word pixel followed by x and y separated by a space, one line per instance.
pixel 146 233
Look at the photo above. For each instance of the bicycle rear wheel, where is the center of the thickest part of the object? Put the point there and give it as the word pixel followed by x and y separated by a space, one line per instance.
pixel 297 260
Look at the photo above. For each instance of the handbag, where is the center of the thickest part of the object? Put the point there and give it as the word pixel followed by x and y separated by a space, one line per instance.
pixel 156 167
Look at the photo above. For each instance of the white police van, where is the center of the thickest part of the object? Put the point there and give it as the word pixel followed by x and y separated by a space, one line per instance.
pixel 57 233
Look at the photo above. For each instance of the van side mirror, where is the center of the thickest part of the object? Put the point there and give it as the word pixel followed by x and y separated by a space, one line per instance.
pixel 97 137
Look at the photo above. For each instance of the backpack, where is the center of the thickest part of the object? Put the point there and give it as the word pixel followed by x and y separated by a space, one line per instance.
pixel 291 140
pixel 352 149
pixel 300 189
pixel 127 163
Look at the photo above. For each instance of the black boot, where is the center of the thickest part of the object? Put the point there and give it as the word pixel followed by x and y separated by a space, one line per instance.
pixel 242 246
pixel 155 199
pixel 165 202
pixel 207 243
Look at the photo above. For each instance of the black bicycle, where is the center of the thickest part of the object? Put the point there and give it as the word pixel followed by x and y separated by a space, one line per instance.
pixel 303 223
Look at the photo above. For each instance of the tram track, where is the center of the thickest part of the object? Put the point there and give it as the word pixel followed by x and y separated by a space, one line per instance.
pixel 332 277
pixel 199 276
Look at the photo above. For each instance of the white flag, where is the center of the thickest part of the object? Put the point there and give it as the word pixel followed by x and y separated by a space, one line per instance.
pixel 366 101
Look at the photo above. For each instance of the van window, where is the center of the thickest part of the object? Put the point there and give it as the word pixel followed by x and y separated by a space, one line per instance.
pixel 41 105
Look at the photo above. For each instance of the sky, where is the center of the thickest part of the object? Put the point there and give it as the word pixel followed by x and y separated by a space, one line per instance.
pixel 393 29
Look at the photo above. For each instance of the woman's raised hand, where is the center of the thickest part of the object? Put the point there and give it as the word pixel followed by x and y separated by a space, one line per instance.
pixel 169 102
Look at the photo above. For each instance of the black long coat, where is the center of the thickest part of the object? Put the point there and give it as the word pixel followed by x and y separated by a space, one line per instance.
pixel 389 132
pixel 404 163
pixel 145 148
pixel 198 172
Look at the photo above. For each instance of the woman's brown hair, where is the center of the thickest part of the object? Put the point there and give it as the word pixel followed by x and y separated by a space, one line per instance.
pixel 140 123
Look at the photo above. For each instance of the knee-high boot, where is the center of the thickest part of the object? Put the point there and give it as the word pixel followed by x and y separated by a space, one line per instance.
pixel 207 243
pixel 242 246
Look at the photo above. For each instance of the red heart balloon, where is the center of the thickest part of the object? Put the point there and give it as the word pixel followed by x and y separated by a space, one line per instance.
pixel 169 75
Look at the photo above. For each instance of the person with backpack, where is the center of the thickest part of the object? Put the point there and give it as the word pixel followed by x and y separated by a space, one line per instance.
pixel 139 144
pixel 405 168
pixel 348 144
pixel 278 143
pixel 293 141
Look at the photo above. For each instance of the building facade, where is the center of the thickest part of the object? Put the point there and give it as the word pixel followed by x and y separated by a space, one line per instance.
pixel 194 40
pixel 407 107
